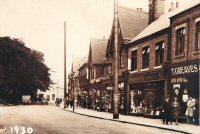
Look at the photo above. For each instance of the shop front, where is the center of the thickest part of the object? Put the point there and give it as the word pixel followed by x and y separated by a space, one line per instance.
pixel 107 85
pixel 184 85
pixel 146 97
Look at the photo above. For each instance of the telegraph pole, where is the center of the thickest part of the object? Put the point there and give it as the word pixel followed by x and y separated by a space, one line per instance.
pixel 116 58
pixel 65 65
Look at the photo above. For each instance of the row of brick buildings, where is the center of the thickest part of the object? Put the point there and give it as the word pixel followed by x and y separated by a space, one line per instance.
pixel 159 53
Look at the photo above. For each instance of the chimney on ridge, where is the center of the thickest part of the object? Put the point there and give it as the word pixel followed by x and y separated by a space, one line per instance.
pixel 156 9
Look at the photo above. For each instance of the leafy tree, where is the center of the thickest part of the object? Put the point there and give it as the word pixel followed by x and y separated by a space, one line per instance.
pixel 22 71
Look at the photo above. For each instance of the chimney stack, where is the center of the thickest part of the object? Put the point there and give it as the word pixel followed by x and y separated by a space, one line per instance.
pixel 172 6
pixel 156 9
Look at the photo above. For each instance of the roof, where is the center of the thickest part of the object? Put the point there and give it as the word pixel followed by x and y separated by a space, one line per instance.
pixel 186 7
pixel 98 50
pixel 84 61
pixel 76 63
pixel 163 22
pixel 131 21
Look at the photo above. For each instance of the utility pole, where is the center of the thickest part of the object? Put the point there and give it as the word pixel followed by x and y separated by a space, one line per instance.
pixel 64 65
pixel 116 68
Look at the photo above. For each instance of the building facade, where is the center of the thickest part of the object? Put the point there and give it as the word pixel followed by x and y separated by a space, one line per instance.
pixel 96 58
pixel 185 57
pixel 131 23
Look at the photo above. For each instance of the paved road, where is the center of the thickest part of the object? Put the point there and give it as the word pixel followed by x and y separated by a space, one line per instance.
pixel 54 120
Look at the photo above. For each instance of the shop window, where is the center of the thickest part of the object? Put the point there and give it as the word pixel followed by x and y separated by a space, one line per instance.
pixel 180 41
pixel 159 57
pixel 107 70
pixel 197 45
pixel 134 60
pixel 145 57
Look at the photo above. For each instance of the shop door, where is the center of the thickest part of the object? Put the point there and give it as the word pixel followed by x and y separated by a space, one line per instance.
pixel 149 100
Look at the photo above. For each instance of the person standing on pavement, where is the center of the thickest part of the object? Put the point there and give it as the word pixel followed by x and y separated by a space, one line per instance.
pixel 166 111
pixel 190 110
pixel 175 109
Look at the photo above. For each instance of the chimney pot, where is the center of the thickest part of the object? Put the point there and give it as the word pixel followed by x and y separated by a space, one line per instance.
pixel 177 4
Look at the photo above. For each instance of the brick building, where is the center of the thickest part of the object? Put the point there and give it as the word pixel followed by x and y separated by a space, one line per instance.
pixel 147 53
pixel 131 22
pixel 185 56
pixel 97 54
pixel 74 87
pixel 84 81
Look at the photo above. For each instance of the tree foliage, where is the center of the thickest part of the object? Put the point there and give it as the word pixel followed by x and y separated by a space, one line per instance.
pixel 22 70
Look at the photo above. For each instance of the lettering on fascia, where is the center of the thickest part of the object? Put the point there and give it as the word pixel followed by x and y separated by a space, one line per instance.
pixel 185 69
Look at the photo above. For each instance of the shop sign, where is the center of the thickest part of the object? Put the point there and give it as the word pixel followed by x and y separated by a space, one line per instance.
pixel 152 76
pixel 194 68
pixel 179 80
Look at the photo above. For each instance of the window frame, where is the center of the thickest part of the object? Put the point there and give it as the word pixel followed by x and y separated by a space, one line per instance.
pixel 134 58
pixel 145 57
pixel 92 72
pixel 159 53
pixel 180 41
pixel 197 36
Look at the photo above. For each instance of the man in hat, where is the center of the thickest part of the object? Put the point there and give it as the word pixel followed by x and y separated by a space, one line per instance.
pixel 166 111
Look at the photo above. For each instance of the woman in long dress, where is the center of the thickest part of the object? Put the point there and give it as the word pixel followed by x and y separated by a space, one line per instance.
pixel 175 109
pixel 190 109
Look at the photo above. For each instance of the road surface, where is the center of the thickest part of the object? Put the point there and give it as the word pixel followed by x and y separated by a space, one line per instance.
pixel 48 119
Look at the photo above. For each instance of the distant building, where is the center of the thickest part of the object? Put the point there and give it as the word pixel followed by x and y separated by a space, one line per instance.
pixel 74 85
pixel 51 94
pixel 97 54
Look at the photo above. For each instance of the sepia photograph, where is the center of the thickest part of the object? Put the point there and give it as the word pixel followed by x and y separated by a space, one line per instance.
pixel 99 66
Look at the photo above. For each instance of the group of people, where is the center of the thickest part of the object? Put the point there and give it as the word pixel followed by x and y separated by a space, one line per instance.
pixel 171 110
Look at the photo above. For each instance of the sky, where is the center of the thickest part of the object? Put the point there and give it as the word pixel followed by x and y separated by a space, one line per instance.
pixel 40 24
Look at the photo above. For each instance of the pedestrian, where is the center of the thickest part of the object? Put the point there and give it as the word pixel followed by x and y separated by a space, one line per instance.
pixel 190 110
pixel 166 112
pixel 175 109
pixel 84 103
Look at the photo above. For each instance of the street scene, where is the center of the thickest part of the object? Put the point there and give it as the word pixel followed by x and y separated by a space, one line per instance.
pixel 99 66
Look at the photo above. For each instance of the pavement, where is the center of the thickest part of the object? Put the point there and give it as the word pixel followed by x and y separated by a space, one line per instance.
pixel 141 121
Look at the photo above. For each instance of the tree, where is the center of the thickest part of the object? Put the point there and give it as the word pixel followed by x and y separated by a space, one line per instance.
pixel 22 71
